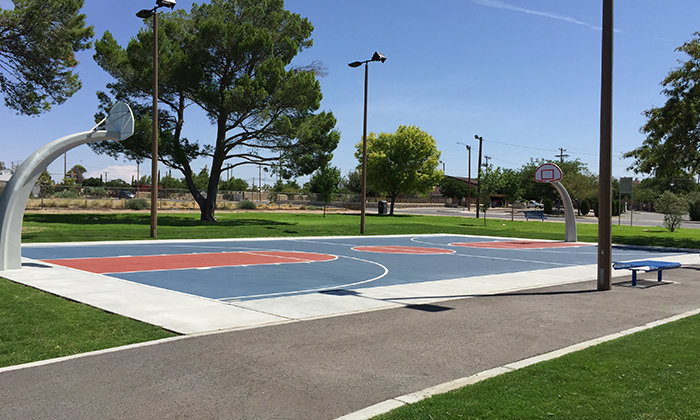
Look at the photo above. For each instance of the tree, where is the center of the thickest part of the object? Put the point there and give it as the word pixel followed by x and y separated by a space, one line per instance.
pixel 454 189
pixel 490 183
pixel 76 172
pixel 92 182
pixel 234 184
pixel 511 187
pixel 673 207
pixel 230 58
pixel 353 182
pixel 38 42
pixel 673 130
pixel 325 183
pixel 404 162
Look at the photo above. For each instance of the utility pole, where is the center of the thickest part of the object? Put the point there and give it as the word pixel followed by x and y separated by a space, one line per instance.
pixel 486 165
pixel 469 177
pixel 561 155
pixel 605 185
pixel 478 177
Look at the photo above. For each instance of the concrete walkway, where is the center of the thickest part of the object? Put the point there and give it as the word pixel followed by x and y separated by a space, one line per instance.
pixel 330 366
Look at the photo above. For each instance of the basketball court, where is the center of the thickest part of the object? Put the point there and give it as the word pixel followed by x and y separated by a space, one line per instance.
pixel 194 286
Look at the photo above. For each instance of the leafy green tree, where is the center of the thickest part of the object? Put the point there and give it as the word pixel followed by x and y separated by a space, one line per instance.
pixel 672 142
pixel 76 172
pixel 45 178
pixel 490 183
pixel 38 42
pixel 673 208
pixel 453 188
pixel 232 59
pixel 92 182
pixel 693 206
pixel 234 184
pixel 404 162
pixel 117 183
pixel 353 182
pixel 511 187
pixel 201 179
pixel 168 182
pixel 325 182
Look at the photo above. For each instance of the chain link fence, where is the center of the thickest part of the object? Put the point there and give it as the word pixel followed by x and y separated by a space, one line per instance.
pixel 60 196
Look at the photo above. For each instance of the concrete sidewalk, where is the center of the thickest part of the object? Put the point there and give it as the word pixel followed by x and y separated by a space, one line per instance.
pixel 329 367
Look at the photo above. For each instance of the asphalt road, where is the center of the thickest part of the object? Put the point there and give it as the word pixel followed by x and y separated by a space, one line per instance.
pixel 638 218
pixel 325 368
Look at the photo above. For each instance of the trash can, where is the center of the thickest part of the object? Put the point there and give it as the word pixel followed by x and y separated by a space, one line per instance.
pixel 382 207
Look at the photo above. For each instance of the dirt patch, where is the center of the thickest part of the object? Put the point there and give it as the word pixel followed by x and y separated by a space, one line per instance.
pixel 32 229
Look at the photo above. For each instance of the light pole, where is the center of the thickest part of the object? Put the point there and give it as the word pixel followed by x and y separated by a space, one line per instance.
pixel 381 58
pixel 605 185
pixel 469 177
pixel 145 14
pixel 478 177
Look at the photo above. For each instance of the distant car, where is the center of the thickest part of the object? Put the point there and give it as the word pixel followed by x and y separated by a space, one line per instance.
pixel 126 194
pixel 534 204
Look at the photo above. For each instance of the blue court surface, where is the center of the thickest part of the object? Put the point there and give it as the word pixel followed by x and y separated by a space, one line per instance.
pixel 386 270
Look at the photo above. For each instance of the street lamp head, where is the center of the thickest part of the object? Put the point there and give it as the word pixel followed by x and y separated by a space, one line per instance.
pixel 355 64
pixel 378 57
pixel 166 3
pixel 145 13
pixel 476 136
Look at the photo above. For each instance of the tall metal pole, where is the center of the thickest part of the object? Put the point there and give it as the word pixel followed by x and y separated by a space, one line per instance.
pixel 478 178
pixel 154 152
pixel 364 157
pixel 605 185
pixel 469 175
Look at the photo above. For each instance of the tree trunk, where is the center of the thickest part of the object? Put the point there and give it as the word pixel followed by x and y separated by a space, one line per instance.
pixel 393 201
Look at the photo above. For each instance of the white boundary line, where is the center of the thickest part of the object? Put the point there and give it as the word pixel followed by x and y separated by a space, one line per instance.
pixel 393 403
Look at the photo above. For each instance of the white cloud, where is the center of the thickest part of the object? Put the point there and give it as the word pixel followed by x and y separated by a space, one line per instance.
pixel 505 6
pixel 113 172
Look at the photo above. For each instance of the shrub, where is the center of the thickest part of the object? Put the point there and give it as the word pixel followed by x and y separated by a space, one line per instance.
pixel 246 205
pixel 96 192
pixel 69 193
pixel 584 207
pixel 137 204
pixel 547 204
pixel 694 206
pixel 673 207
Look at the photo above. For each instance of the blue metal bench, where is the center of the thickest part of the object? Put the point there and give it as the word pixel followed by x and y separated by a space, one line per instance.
pixel 530 214
pixel 646 266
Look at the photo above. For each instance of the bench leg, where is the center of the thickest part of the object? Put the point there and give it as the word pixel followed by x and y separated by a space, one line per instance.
pixel 634 278
pixel 659 276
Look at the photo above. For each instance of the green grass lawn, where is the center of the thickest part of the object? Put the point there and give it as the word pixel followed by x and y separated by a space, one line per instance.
pixel 35 326
pixel 653 374
pixel 68 227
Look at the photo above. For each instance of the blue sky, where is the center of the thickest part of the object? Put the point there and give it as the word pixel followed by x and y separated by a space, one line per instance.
pixel 523 74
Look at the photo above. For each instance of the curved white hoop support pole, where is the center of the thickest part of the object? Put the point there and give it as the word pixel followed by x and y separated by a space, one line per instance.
pixel 569 215
pixel 13 201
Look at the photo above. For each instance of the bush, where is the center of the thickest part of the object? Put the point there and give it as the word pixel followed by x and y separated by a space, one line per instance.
pixel 584 207
pixel 137 204
pixel 694 206
pixel 96 192
pixel 673 207
pixel 69 193
pixel 246 205
pixel 547 204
